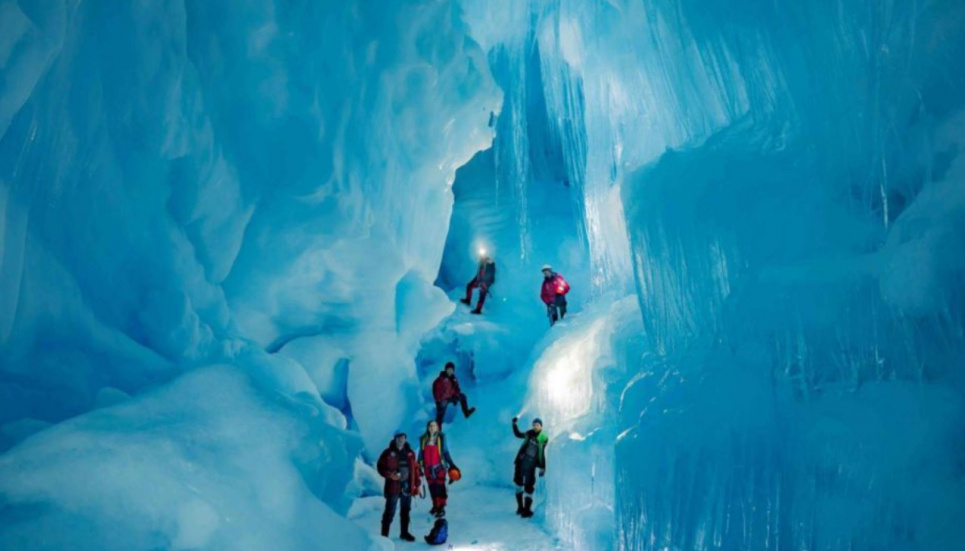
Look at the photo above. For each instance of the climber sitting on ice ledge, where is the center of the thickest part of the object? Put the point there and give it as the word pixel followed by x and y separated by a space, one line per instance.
pixel 553 294
pixel 445 390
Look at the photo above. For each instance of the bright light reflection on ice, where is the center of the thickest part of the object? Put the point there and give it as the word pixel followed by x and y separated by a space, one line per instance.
pixel 564 375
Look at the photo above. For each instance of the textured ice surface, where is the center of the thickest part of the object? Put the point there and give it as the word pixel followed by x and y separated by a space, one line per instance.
pixel 205 463
pixel 185 184
pixel 760 207
pixel 215 177
pixel 575 386
pixel 787 176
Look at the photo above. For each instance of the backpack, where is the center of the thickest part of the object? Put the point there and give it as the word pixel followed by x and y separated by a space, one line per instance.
pixel 439 533
pixel 563 286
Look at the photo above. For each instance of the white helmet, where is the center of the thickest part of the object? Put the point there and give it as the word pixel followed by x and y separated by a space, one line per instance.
pixel 546 267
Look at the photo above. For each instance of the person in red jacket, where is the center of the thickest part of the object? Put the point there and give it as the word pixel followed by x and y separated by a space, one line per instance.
pixel 485 278
pixel 399 467
pixel 434 458
pixel 445 390
pixel 553 294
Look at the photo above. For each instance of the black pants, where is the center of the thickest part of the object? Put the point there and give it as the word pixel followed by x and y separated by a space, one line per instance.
pixel 557 310
pixel 441 407
pixel 525 477
pixel 390 505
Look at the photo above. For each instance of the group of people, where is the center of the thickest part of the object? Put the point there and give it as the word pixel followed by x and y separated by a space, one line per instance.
pixel 403 468
pixel 552 293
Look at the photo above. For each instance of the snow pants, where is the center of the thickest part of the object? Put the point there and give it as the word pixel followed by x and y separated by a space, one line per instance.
pixel 391 503
pixel 483 291
pixel 525 477
pixel 557 310
pixel 436 478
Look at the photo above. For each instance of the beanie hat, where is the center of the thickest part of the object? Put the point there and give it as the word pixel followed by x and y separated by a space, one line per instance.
pixel 538 420
pixel 397 433
pixel 450 364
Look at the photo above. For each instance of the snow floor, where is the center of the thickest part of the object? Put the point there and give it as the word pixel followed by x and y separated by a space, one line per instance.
pixel 481 518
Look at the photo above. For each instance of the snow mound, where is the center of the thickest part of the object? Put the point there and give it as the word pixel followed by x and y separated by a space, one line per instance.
pixel 205 463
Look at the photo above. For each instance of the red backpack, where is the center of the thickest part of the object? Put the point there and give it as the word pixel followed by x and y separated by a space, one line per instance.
pixel 562 287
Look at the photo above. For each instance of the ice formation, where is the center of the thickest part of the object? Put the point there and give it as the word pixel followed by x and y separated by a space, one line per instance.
pixel 232 236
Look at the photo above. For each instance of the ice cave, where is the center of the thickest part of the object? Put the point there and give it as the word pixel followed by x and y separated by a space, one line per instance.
pixel 236 238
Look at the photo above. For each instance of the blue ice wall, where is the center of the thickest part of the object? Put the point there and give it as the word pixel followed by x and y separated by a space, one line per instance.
pixel 222 222
pixel 796 274
pixel 788 177
pixel 191 185
pixel 516 201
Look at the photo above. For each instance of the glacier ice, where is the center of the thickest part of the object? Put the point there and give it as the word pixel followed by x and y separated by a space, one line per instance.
pixel 772 172
pixel 232 237
pixel 197 183
pixel 205 463
pixel 769 161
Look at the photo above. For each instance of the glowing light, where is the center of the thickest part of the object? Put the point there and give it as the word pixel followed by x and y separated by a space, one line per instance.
pixel 564 374
pixel 481 248
pixel 566 385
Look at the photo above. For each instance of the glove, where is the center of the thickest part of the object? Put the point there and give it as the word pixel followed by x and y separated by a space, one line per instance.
pixel 515 420
pixel 542 472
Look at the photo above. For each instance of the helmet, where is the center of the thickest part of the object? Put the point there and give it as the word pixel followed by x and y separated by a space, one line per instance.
pixel 546 267
pixel 454 474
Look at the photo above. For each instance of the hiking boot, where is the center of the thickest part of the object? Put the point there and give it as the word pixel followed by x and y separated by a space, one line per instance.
pixel 468 413
pixel 519 504
pixel 476 311
pixel 441 512
pixel 467 302
pixel 405 536
pixel 385 530
pixel 434 510
pixel 527 508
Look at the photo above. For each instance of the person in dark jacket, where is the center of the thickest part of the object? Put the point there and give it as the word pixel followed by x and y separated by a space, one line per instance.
pixel 435 461
pixel 531 456
pixel 485 278
pixel 553 294
pixel 399 467
pixel 445 391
